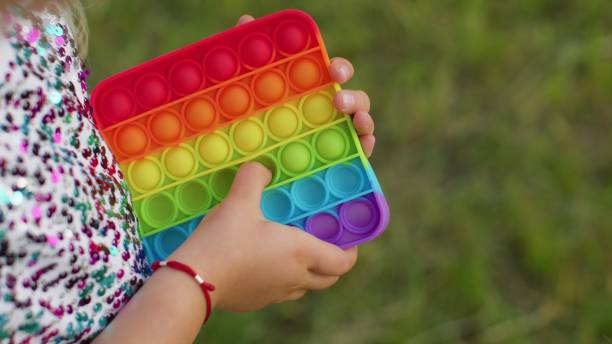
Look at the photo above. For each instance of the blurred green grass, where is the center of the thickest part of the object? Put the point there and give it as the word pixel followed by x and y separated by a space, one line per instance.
pixel 493 127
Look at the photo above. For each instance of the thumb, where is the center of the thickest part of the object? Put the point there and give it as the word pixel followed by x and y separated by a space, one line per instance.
pixel 249 183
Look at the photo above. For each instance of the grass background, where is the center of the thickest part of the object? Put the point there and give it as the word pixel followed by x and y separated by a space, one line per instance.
pixel 493 127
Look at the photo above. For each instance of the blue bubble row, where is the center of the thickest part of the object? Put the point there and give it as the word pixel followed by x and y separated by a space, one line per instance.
pixel 309 195
pixel 161 245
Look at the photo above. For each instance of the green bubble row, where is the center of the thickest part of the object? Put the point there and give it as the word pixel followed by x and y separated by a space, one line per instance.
pixel 196 196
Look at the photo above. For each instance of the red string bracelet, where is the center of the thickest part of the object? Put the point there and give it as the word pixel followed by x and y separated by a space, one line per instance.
pixel 206 287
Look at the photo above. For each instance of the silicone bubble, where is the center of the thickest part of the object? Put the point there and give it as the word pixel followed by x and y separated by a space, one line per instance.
pixel 317 109
pixel 221 64
pixel 282 122
pixel 295 158
pixel 331 144
pixel 193 197
pixel 158 210
pixel 151 250
pixel 117 104
pixel 248 135
pixel 256 50
pixel 167 241
pixel 324 226
pixel 200 114
pixel 234 100
pixel 192 224
pixel 276 205
pixel 145 175
pixel 166 126
pixel 221 182
pixel 179 161
pixel 269 86
pixel 151 90
pixel 186 77
pixel 214 148
pixel 304 73
pixel 309 193
pixel 270 163
pixel 291 37
pixel 359 216
pixel 131 139
pixel 344 180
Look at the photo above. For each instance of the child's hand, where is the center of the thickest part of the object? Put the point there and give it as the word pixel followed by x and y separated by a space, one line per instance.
pixel 254 262
pixel 352 102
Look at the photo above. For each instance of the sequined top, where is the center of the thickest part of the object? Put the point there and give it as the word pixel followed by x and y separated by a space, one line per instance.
pixel 70 256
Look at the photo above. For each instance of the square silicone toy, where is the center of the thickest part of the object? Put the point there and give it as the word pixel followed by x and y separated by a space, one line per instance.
pixel 182 123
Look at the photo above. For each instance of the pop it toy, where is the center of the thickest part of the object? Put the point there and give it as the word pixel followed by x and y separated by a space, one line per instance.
pixel 181 124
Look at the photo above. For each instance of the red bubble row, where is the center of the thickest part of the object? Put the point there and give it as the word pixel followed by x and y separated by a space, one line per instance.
pixel 202 65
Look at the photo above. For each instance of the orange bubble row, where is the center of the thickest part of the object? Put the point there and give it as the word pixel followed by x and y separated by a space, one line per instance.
pixel 205 111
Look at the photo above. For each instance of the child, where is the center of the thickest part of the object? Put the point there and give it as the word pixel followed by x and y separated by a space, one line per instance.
pixel 70 257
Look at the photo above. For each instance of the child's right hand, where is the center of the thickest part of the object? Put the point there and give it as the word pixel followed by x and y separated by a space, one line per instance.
pixel 254 262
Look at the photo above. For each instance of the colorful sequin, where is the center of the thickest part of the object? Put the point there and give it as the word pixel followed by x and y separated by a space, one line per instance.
pixel 70 256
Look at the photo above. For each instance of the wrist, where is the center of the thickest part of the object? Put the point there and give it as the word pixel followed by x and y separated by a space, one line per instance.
pixel 205 268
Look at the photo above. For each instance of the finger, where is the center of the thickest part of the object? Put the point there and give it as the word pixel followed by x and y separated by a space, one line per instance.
pixel 326 259
pixel 249 183
pixel 367 143
pixel 320 282
pixel 349 101
pixel 244 19
pixel 363 123
pixel 341 70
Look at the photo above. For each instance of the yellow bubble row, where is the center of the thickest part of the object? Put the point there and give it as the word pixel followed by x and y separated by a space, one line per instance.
pixel 238 140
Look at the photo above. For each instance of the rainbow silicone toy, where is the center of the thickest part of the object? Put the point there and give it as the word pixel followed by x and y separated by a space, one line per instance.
pixel 181 124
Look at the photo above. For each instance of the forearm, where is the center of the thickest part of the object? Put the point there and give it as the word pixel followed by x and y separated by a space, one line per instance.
pixel 169 308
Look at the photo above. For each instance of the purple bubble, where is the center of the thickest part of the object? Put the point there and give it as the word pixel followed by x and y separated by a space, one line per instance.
pixel 324 226
pixel 359 216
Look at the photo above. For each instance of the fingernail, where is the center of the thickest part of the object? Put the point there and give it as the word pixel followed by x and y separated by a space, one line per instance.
pixel 346 101
pixel 344 72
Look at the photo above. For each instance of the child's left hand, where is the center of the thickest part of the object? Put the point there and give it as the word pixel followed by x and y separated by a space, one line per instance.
pixel 354 102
